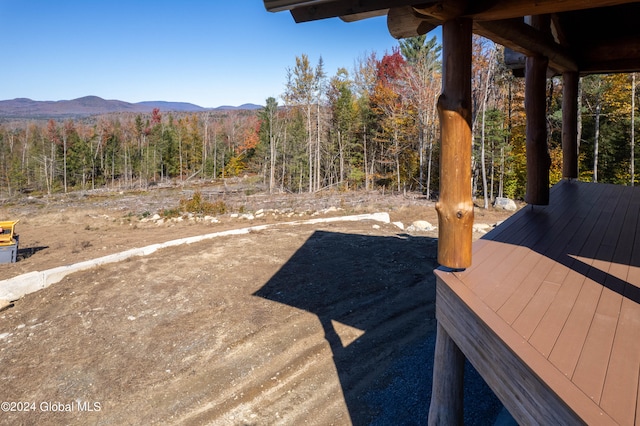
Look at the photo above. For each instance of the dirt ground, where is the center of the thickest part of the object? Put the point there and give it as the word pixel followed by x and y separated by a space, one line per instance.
pixel 307 324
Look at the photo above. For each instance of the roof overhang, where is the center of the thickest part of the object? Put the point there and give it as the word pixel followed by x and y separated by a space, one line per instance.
pixel 595 36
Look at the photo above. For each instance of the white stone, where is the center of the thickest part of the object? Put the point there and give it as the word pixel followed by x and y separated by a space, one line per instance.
pixel 505 204
pixel 422 225
pixel 399 225
pixel 481 227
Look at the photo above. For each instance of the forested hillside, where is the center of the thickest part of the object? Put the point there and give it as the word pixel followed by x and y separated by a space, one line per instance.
pixel 373 126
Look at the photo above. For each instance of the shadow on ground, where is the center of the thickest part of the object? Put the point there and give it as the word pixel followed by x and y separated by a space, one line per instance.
pixel 375 298
pixel 25 253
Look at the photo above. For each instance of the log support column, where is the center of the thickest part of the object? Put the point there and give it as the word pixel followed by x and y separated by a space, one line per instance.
pixel 448 380
pixel 455 207
pixel 570 125
pixel 538 160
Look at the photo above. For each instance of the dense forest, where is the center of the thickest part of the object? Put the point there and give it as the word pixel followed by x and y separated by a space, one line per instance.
pixel 371 127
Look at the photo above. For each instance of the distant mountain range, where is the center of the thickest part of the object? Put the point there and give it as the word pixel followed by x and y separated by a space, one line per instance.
pixel 94 105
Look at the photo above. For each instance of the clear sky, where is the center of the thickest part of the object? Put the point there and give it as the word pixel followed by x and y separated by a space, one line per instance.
pixel 207 52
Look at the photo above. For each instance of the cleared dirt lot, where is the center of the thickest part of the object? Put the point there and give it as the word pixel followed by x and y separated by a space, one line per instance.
pixel 306 324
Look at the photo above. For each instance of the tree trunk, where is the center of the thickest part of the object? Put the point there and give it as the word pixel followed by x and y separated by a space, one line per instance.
pixel 483 164
pixel 579 135
pixel 596 136
pixel 570 125
pixel 64 157
pixel 485 99
pixel 341 156
pixel 310 148
pixel 366 167
pixel 318 183
pixel 633 128
pixel 501 183
pixel 397 157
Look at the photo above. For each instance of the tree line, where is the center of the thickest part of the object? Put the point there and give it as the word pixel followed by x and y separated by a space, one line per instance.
pixel 374 126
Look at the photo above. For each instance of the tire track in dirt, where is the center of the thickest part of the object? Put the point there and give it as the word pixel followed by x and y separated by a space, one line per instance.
pixel 241 330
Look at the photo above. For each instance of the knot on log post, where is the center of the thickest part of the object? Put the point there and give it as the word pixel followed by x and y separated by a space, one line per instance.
pixel 455 234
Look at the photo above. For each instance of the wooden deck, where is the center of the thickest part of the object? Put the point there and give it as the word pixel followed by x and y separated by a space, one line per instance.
pixel 549 311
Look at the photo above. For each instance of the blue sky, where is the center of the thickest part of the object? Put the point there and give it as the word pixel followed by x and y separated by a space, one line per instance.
pixel 207 52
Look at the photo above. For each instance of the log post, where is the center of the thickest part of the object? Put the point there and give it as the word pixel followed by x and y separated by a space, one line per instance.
pixel 448 381
pixel 538 160
pixel 570 125
pixel 455 206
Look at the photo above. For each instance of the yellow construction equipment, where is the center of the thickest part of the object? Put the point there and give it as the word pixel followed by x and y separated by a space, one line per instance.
pixel 8 241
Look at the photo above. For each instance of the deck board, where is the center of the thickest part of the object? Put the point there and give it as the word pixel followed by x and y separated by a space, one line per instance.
pixel 620 391
pixel 560 288
pixel 513 307
pixel 566 351
pixel 505 289
pixel 552 323
pixel 532 314
pixel 593 363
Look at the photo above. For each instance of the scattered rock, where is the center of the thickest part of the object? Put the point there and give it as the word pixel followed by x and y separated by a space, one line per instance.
pixel 421 226
pixel 399 225
pixel 211 219
pixel 481 227
pixel 505 204
pixel 331 209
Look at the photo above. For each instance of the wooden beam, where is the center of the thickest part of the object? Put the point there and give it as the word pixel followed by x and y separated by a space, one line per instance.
pixel 538 160
pixel 620 50
pixel 570 125
pixel 403 22
pixel 455 207
pixel 364 15
pixel 443 10
pixel 523 38
pixel 280 5
pixel 627 65
pixel 491 10
pixel 331 9
pixel 447 391
pixel 511 33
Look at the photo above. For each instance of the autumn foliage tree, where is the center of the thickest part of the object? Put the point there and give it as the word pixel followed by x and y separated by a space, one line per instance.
pixel 371 127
